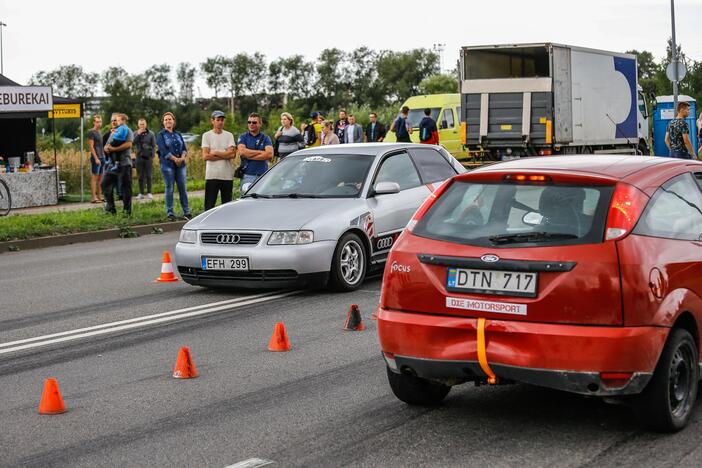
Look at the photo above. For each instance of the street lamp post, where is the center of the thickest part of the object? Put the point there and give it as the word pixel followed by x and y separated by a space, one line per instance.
pixel 2 68
pixel 439 50
pixel 674 58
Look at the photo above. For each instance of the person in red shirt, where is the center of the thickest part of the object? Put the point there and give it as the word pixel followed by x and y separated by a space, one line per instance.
pixel 428 133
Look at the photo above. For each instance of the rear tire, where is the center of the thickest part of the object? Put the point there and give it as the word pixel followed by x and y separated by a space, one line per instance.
pixel 349 265
pixel 666 403
pixel 416 390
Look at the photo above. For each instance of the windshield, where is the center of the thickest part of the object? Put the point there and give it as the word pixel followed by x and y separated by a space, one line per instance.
pixel 314 176
pixel 507 214
pixel 416 116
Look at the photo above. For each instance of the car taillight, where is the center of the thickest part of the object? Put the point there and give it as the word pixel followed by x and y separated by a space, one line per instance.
pixel 424 207
pixel 627 204
pixel 528 178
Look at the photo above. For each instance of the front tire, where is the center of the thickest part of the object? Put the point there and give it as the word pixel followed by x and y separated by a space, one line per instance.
pixel 667 401
pixel 349 264
pixel 416 390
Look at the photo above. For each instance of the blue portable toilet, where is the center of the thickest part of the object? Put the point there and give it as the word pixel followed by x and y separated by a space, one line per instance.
pixel 663 114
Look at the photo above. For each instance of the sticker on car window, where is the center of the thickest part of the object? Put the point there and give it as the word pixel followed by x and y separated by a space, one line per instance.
pixel 317 159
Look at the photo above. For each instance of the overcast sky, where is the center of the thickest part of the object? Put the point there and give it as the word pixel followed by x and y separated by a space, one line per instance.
pixel 42 35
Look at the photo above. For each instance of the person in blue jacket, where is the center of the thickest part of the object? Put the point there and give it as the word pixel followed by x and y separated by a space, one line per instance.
pixel 171 154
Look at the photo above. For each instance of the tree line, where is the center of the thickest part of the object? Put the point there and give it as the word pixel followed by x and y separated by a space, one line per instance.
pixel 654 81
pixel 244 83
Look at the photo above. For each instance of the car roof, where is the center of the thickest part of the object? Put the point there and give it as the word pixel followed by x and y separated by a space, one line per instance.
pixel 370 149
pixel 616 166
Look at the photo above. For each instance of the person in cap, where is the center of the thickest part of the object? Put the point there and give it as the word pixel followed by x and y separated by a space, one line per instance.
pixel 312 132
pixel 218 151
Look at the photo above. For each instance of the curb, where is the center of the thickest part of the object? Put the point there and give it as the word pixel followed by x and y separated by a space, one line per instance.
pixel 67 239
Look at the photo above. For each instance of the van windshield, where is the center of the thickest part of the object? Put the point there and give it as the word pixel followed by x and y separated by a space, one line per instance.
pixel 507 214
pixel 416 115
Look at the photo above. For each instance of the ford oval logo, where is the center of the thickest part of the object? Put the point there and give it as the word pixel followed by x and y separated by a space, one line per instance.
pixel 228 238
pixel 490 258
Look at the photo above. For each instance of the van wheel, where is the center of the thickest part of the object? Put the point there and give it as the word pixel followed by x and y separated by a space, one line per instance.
pixel 416 390
pixel 348 264
pixel 667 401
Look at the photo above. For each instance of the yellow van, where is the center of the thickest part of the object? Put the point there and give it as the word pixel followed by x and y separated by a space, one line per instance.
pixel 445 110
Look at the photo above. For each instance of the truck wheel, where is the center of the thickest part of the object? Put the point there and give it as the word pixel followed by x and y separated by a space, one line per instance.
pixel 348 264
pixel 666 403
pixel 416 390
pixel 643 148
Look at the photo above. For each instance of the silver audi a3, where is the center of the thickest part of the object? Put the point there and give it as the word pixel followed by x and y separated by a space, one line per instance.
pixel 322 216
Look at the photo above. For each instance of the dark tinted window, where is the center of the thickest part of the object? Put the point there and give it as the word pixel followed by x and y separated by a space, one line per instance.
pixel 433 167
pixel 674 212
pixel 398 168
pixel 494 214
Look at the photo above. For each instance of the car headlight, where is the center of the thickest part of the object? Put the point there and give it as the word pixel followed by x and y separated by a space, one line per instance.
pixel 291 238
pixel 188 236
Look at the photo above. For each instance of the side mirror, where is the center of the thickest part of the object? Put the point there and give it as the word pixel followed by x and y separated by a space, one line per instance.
pixel 386 187
pixel 532 218
pixel 444 124
pixel 245 187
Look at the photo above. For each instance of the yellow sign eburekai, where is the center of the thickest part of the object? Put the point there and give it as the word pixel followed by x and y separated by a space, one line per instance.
pixel 65 111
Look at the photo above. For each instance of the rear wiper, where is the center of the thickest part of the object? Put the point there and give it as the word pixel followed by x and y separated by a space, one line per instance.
pixel 530 237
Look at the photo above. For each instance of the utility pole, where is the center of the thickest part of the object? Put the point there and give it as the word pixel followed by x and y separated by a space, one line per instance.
pixel 439 49
pixel 2 68
pixel 674 59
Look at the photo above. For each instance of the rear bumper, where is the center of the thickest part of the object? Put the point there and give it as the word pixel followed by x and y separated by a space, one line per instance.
pixel 564 357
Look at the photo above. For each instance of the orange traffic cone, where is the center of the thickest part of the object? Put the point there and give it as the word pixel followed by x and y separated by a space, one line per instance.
pixel 167 275
pixel 184 367
pixel 354 322
pixel 51 401
pixel 279 340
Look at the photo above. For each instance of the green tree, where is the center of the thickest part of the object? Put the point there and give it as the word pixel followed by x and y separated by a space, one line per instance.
pixel 399 73
pixel 159 79
pixel 362 77
pixel 68 81
pixel 330 85
pixel 439 84
pixel 214 68
pixel 185 76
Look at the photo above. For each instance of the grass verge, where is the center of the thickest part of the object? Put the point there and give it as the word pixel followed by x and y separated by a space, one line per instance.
pixel 17 227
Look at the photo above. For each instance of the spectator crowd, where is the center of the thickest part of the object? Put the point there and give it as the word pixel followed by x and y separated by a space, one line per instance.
pixel 114 154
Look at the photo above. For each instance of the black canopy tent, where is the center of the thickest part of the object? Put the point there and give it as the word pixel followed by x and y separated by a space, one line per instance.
pixel 18 129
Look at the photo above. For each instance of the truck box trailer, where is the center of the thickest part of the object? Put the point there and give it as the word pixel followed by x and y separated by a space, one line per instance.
pixel 540 99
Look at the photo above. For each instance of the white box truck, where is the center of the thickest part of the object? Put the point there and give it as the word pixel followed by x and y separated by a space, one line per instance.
pixel 543 99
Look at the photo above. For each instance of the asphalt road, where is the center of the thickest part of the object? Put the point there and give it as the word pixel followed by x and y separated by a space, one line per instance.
pixel 324 403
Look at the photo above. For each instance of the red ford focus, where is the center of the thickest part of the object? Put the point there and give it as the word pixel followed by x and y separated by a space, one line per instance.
pixel 579 273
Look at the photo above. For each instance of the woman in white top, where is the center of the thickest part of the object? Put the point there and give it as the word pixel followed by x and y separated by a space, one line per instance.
pixel 287 136
pixel 328 135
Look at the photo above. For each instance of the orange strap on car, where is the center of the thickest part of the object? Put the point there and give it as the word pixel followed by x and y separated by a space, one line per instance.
pixel 482 353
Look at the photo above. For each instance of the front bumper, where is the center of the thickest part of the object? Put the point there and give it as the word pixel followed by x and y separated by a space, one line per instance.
pixel 563 357
pixel 278 266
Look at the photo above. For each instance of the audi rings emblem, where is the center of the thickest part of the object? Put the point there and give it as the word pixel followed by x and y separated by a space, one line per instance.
pixel 228 238
pixel 385 243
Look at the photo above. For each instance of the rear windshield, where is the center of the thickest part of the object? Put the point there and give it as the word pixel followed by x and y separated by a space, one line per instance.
pixel 504 214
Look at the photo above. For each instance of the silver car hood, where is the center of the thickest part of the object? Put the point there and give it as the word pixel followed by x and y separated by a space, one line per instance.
pixel 271 214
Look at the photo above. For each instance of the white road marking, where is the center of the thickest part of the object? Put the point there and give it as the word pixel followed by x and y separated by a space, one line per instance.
pixel 138 322
pixel 250 463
